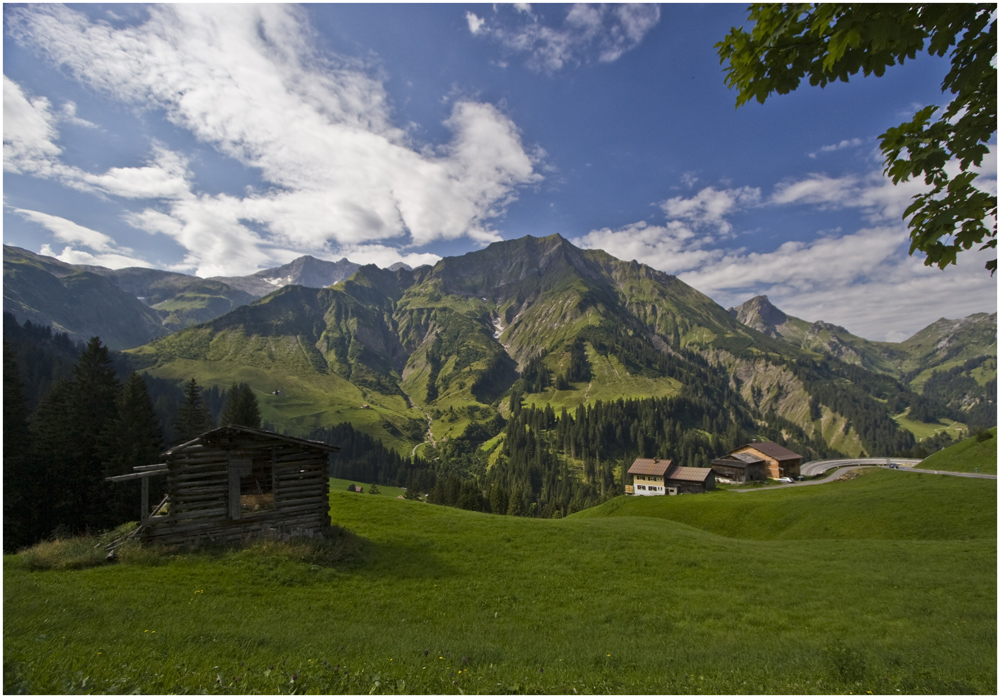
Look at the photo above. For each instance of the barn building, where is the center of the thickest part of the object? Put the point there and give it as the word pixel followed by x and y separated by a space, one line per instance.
pixel 757 460
pixel 234 481
pixel 653 476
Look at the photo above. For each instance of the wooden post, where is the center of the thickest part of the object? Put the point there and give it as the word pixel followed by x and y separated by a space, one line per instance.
pixel 145 500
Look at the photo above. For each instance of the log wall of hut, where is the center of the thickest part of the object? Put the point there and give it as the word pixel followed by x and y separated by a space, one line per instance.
pixel 226 490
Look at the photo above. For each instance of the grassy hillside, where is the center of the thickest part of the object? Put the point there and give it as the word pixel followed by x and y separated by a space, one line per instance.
pixel 882 504
pixel 969 455
pixel 441 600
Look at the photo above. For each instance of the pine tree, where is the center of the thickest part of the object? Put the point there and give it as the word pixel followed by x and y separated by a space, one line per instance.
pixel 133 438
pixel 192 418
pixel 22 486
pixel 67 428
pixel 241 407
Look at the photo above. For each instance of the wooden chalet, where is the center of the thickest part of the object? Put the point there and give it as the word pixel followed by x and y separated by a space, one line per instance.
pixel 653 476
pixel 739 467
pixel 758 460
pixel 235 481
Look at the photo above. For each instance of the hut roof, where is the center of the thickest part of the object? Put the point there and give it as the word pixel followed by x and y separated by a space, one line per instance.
pixel 772 450
pixel 689 474
pixel 649 466
pixel 233 436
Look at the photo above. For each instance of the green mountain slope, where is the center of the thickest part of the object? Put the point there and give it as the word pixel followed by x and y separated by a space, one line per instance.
pixel 397 351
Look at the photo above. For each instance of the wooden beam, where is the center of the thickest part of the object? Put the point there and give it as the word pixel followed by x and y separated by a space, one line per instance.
pixel 135 476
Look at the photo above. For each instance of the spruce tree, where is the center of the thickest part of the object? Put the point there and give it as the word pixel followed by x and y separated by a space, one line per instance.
pixel 192 418
pixel 22 486
pixel 241 407
pixel 133 438
pixel 95 389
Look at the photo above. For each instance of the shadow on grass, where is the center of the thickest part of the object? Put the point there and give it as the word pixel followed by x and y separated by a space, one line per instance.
pixel 402 561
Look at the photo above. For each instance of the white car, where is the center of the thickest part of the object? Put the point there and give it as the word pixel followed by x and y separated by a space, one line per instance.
pixel 785 479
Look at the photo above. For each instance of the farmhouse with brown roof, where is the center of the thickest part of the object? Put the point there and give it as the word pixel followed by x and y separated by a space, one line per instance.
pixel 653 476
pixel 757 461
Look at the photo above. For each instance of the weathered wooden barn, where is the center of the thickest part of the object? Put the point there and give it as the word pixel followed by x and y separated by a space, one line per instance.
pixel 235 481
pixel 653 476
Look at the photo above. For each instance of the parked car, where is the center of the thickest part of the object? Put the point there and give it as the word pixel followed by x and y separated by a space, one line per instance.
pixel 785 479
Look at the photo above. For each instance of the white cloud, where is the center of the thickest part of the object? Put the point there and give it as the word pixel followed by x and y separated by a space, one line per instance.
pixel 237 77
pixel 710 207
pixel 103 250
pixel 475 22
pixel 846 143
pixel 28 131
pixel 588 32
pixel 68 114
pixel 164 177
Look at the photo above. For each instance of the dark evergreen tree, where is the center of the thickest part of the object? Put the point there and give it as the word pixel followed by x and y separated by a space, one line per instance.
pixel 23 488
pixel 134 437
pixel 68 429
pixel 192 417
pixel 241 407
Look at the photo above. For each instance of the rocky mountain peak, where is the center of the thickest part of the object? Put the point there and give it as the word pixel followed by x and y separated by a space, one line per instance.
pixel 760 314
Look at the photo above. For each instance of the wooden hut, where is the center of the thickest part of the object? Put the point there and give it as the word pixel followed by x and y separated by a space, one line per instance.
pixel 234 481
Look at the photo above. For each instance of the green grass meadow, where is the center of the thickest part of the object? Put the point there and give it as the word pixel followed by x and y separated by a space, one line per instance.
pixel 968 456
pixel 884 584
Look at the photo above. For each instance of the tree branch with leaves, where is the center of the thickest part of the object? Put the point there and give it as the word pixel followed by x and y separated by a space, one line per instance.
pixel 832 42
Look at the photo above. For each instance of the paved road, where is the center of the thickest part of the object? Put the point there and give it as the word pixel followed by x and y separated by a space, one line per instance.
pixel 818 467
pixel 857 465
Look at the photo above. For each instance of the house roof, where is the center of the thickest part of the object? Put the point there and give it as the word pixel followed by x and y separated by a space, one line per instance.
pixel 226 437
pixel 666 467
pixel 649 466
pixel 772 450
pixel 689 474
pixel 738 460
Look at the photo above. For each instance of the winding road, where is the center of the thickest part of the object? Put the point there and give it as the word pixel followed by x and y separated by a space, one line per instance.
pixel 818 467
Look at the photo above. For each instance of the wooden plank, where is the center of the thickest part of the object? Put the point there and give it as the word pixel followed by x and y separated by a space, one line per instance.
pixel 135 476
pixel 143 468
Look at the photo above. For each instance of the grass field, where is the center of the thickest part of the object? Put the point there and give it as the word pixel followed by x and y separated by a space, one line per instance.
pixel 967 456
pixel 875 585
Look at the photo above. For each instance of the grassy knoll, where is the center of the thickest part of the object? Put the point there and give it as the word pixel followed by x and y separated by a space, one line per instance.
pixel 441 600
pixel 967 456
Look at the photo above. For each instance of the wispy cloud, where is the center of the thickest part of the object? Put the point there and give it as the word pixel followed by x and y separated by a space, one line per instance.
pixel 846 143
pixel 587 33
pixel 82 245
pixel 236 77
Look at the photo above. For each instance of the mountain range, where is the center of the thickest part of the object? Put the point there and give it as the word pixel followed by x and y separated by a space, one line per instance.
pixel 433 353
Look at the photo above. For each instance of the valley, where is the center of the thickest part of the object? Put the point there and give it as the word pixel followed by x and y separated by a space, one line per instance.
pixel 437 363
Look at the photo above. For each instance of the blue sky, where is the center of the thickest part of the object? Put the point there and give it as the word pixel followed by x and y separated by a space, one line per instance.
pixel 224 139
